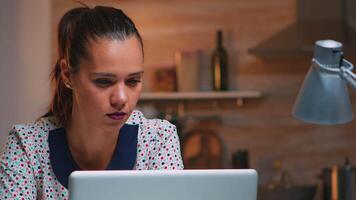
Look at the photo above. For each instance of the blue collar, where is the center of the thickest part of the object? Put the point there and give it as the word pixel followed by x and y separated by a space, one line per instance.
pixel 62 161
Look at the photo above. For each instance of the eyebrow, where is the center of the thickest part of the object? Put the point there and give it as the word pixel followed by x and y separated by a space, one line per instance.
pixel 136 73
pixel 110 75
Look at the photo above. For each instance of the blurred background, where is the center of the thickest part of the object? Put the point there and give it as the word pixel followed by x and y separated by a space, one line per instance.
pixel 269 46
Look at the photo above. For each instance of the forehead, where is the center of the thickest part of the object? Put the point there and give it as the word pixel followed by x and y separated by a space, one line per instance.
pixel 114 56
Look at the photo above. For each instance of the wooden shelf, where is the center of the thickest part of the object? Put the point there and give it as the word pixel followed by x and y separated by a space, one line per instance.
pixel 182 98
pixel 199 95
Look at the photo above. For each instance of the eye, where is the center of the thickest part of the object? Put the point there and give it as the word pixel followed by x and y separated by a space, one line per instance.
pixel 103 82
pixel 133 82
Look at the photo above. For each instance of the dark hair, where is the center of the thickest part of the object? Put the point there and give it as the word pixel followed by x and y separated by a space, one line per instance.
pixel 76 28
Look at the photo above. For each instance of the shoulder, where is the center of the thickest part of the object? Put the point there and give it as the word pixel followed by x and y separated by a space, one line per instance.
pixel 159 127
pixel 35 132
pixel 25 158
pixel 44 124
pixel 158 144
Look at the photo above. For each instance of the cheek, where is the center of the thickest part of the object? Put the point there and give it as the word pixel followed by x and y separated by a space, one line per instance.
pixel 134 96
pixel 90 98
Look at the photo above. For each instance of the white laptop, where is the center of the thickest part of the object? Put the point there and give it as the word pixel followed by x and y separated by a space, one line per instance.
pixel 164 185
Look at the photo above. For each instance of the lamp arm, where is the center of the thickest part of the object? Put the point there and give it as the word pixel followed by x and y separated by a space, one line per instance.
pixel 347 74
pixel 345 70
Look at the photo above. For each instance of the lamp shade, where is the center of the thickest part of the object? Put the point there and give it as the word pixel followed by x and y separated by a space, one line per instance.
pixel 323 97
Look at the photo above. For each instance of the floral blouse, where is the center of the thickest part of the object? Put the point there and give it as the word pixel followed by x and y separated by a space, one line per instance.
pixel 30 167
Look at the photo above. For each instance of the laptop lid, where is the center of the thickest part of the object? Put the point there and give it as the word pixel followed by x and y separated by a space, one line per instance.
pixel 164 185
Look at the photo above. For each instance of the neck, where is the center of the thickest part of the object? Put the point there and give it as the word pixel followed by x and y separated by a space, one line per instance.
pixel 92 147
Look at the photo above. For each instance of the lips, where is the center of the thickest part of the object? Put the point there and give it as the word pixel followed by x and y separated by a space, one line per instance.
pixel 117 115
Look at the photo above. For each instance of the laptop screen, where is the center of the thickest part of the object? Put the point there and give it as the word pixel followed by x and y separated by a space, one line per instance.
pixel 165 185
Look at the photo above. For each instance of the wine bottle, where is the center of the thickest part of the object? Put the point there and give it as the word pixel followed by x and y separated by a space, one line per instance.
pixel 220 64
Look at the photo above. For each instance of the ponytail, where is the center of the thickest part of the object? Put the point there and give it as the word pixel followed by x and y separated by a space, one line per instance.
pixel 62 97
pixel 61 104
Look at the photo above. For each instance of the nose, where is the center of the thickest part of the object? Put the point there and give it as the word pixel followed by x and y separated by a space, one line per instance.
pixel 119 97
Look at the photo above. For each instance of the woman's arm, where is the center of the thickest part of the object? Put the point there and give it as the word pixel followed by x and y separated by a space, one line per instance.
pixel 17 180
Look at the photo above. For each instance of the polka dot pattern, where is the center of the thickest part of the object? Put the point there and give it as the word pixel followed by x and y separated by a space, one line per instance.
pixel 158 144
pixel 26 172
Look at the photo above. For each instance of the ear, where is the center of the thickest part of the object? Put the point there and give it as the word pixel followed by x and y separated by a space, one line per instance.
pixel 65 73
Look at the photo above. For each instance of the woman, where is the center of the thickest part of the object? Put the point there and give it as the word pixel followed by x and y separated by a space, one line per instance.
pixel 91 123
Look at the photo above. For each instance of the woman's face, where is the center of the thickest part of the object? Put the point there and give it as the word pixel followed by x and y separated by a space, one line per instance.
pixel 108 84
